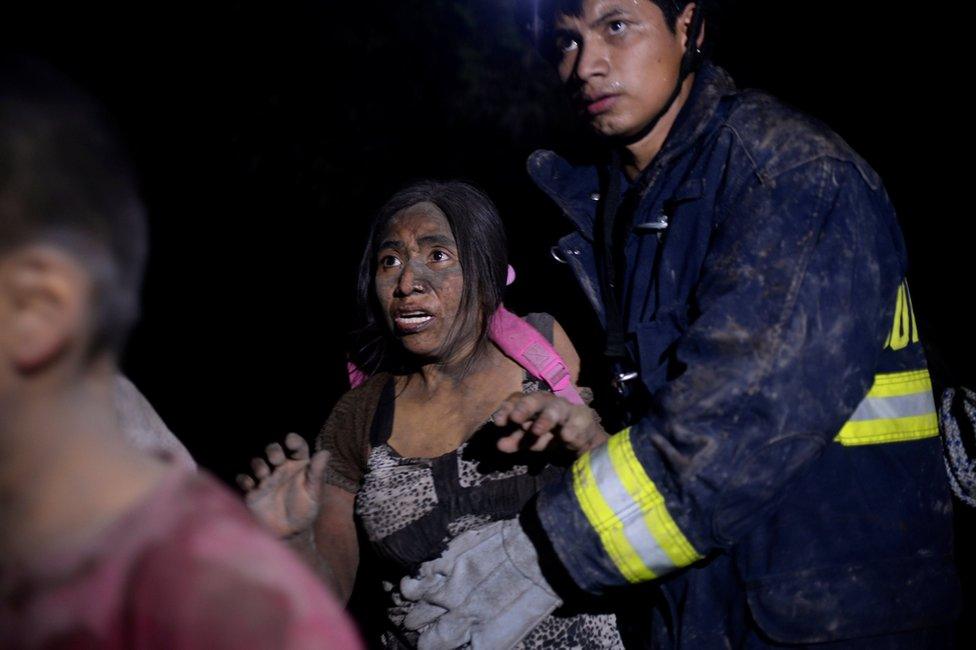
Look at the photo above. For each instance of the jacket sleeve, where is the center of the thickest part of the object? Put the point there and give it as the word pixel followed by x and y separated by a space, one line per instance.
pixel 792 310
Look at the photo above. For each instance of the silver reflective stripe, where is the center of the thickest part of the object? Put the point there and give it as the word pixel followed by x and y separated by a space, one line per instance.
pixel 898 408
pixel 888 408
pixel 629 513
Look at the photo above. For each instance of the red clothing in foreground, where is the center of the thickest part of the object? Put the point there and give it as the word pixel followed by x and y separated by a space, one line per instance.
pixel 186 568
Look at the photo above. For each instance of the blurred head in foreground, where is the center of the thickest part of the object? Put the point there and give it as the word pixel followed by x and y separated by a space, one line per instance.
pixel 72 235
pixel 167 554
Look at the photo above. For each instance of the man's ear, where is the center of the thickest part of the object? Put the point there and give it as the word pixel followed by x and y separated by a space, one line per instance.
pixel 47 295
pixel 683 25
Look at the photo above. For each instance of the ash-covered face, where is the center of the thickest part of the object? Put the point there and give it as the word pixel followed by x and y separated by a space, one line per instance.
pixel 620 62
pixel 419 282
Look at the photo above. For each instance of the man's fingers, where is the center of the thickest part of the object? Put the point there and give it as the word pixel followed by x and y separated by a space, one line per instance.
pixel 500 416
pixel 594 441
pixel 245 482
pixel 582 432
pixel 511 443
pixel 541 442
pixel 545 417
pixel 552 415
pixel 576 432
pixel 529 406
pixel 260 468
pixel 275 454
pixel 297 447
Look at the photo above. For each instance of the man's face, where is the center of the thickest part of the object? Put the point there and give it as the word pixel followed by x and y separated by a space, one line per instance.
pixel 620 62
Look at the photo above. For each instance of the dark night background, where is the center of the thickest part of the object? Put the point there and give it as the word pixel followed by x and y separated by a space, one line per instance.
pixel 266 134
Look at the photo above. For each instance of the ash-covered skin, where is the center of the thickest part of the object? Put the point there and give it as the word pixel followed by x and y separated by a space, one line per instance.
pixel 419 280
pixel 758 319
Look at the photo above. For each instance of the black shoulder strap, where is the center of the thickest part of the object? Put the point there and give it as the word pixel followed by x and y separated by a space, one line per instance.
pixel 382 425
pixel 542 322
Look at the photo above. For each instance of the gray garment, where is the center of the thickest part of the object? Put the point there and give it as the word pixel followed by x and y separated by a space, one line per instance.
pixel 957 420
pixel 493 572
pixel 143 427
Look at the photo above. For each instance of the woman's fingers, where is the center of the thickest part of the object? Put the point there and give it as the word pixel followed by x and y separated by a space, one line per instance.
pixel 260 468
pixel 245 482
pixel 316 467
pixel 276 455
pixel 297 447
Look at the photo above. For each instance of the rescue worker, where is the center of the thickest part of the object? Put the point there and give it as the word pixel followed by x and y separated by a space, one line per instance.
pixel 777 480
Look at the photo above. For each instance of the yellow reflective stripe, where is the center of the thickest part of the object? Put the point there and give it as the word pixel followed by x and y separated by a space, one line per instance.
pixel 628 512
pixel 897 384
pixel 650 501
pixel 892 394
pixel 873 432
pixel 605 522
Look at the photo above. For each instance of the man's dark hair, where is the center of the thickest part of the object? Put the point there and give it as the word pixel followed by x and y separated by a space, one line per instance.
pixel 65 180
pixel 673 8
pixel 483 255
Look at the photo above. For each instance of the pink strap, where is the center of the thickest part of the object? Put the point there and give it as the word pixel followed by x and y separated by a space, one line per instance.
pixel 356 374
pixel 528 348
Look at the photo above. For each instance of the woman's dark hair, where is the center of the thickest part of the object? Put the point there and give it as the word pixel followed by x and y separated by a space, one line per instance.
pixel 482 253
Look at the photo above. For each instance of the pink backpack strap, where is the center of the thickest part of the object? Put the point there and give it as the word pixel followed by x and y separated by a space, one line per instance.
pixel 356 374
pixel 527 347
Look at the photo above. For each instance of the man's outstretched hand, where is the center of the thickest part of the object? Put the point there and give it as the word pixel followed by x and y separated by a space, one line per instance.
pixel 286 496
pixel 547 418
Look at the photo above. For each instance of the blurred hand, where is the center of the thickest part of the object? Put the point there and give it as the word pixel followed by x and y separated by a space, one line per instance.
pixel 546 418
pixel 286 496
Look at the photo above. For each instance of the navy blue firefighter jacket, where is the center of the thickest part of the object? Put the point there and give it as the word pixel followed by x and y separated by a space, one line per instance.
pixel 784 481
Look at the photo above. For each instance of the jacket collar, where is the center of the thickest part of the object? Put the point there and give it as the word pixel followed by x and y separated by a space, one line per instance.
pixel 575 188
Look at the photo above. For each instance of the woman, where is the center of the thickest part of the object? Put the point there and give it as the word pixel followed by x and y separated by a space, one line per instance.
pixel 411 454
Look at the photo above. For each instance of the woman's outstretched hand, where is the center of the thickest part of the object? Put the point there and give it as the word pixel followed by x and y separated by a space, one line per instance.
pixel 286 496
pixel 547 418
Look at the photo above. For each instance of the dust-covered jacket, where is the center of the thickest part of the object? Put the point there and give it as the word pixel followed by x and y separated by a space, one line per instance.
pixel 784 481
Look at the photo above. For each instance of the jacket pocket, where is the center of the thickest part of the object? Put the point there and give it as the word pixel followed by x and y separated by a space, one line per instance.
pixel 855 600
pixel 656 340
